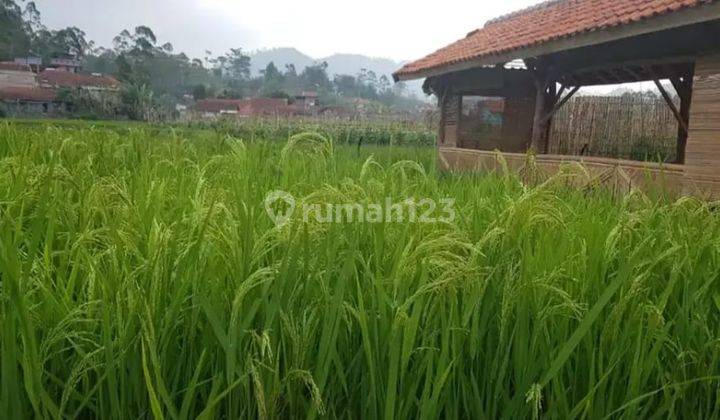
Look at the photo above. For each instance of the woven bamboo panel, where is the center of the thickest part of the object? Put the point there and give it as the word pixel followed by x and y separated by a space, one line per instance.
pixel 703 148
pixel 619 175
pixel 450 119
pixel 627 127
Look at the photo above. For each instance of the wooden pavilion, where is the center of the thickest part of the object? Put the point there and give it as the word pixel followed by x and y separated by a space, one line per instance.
pixel 536 59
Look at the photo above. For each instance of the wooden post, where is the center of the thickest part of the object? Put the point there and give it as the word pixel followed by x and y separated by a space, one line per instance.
pixel 551 102
pixel 684 88
pixel 542 106
pixel 441 127
pixel 449 119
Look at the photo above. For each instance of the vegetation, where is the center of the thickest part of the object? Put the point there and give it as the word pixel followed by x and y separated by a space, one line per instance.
pixel 140 277
pixel 354 133
pixel 156 77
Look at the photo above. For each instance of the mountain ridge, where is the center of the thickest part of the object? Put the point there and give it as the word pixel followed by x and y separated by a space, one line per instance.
pixel 339 63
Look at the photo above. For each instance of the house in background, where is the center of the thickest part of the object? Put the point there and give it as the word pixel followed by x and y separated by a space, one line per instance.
pixel 34 62
pixel 265 107
pixel 210 108
pixel 23 101
pixel 26 88
pixel 16 75
pixel 307 101
pixel 245 108
pixel 66 64
pixel 60 79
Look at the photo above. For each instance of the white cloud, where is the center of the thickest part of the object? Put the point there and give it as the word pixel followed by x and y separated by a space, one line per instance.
pixel 404 29
pixel 395 29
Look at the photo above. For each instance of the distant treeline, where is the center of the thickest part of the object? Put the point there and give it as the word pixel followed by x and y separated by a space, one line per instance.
pixel 155 75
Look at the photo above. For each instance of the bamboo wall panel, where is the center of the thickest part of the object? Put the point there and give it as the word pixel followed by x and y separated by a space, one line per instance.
pixel 450 111
pixel 626 127
pixel 620 175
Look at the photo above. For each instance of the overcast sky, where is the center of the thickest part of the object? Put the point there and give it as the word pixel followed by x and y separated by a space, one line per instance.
pixel 397 29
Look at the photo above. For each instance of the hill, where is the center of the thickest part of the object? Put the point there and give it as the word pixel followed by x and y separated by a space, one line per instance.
pixel 337 64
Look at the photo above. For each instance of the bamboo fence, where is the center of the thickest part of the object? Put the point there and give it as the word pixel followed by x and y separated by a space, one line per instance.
pixel 626 127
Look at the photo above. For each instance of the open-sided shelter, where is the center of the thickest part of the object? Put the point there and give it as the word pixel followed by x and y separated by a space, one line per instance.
pixel 534 60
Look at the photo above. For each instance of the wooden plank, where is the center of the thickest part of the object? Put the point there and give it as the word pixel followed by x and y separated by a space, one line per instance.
pixel 672 106
pixel 560 104
pixel 703 146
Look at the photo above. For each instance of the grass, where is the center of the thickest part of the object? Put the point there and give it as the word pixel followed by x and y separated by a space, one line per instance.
pixel 343 131
pixel 141 278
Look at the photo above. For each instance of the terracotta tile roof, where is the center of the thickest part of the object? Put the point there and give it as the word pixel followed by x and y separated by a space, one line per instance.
pixel 545 22
pixel 218 105
pixel 12 66
pixel 246 107
pixel 255 107
pixel 60 79
pixel 24 94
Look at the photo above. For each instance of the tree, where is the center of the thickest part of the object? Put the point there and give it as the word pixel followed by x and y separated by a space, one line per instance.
pixel 236 65
pixel 345 85
pixel 15 32
pixel 272 81
pixel 65 43
pixel 200 92
pixel 315 78
pixel 138 102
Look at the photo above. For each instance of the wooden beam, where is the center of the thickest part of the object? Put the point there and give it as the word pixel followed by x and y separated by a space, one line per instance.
pixel 632 72
pixel 672 106
pixel 683 61
pixel 678 84
pixel 624 74
pixel 561 103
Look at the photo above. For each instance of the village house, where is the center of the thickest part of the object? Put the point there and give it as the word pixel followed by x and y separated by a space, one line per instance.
pixel 244 108
pixel 29 100
pixel 68 65
pixel 16 75
pixel 59 79
pixel 307 101
pixel 28 89
pixel 535 60
pixel 35 63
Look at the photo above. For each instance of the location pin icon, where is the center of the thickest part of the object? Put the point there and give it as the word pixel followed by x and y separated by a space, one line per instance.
pixel 280 206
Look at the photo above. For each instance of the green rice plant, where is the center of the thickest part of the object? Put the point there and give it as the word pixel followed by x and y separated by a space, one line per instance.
pixel 140 277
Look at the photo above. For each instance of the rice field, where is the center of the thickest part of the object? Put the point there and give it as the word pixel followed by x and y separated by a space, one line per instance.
pixel 140 277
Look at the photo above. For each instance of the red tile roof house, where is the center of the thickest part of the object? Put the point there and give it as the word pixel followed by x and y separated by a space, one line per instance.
pixel 252 107
pixel 28 100
pixel 536 59
pixel 58 79
pixel 20 93
pixel 23 92
pixel 16 75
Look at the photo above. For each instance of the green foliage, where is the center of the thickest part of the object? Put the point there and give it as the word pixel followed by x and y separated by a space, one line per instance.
pixel 273 81
pixel 200 92
pixel 139 58
pixel 15 32
pixel 140 276
pixel 138 102
pixel 91 105
pixel 63 43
